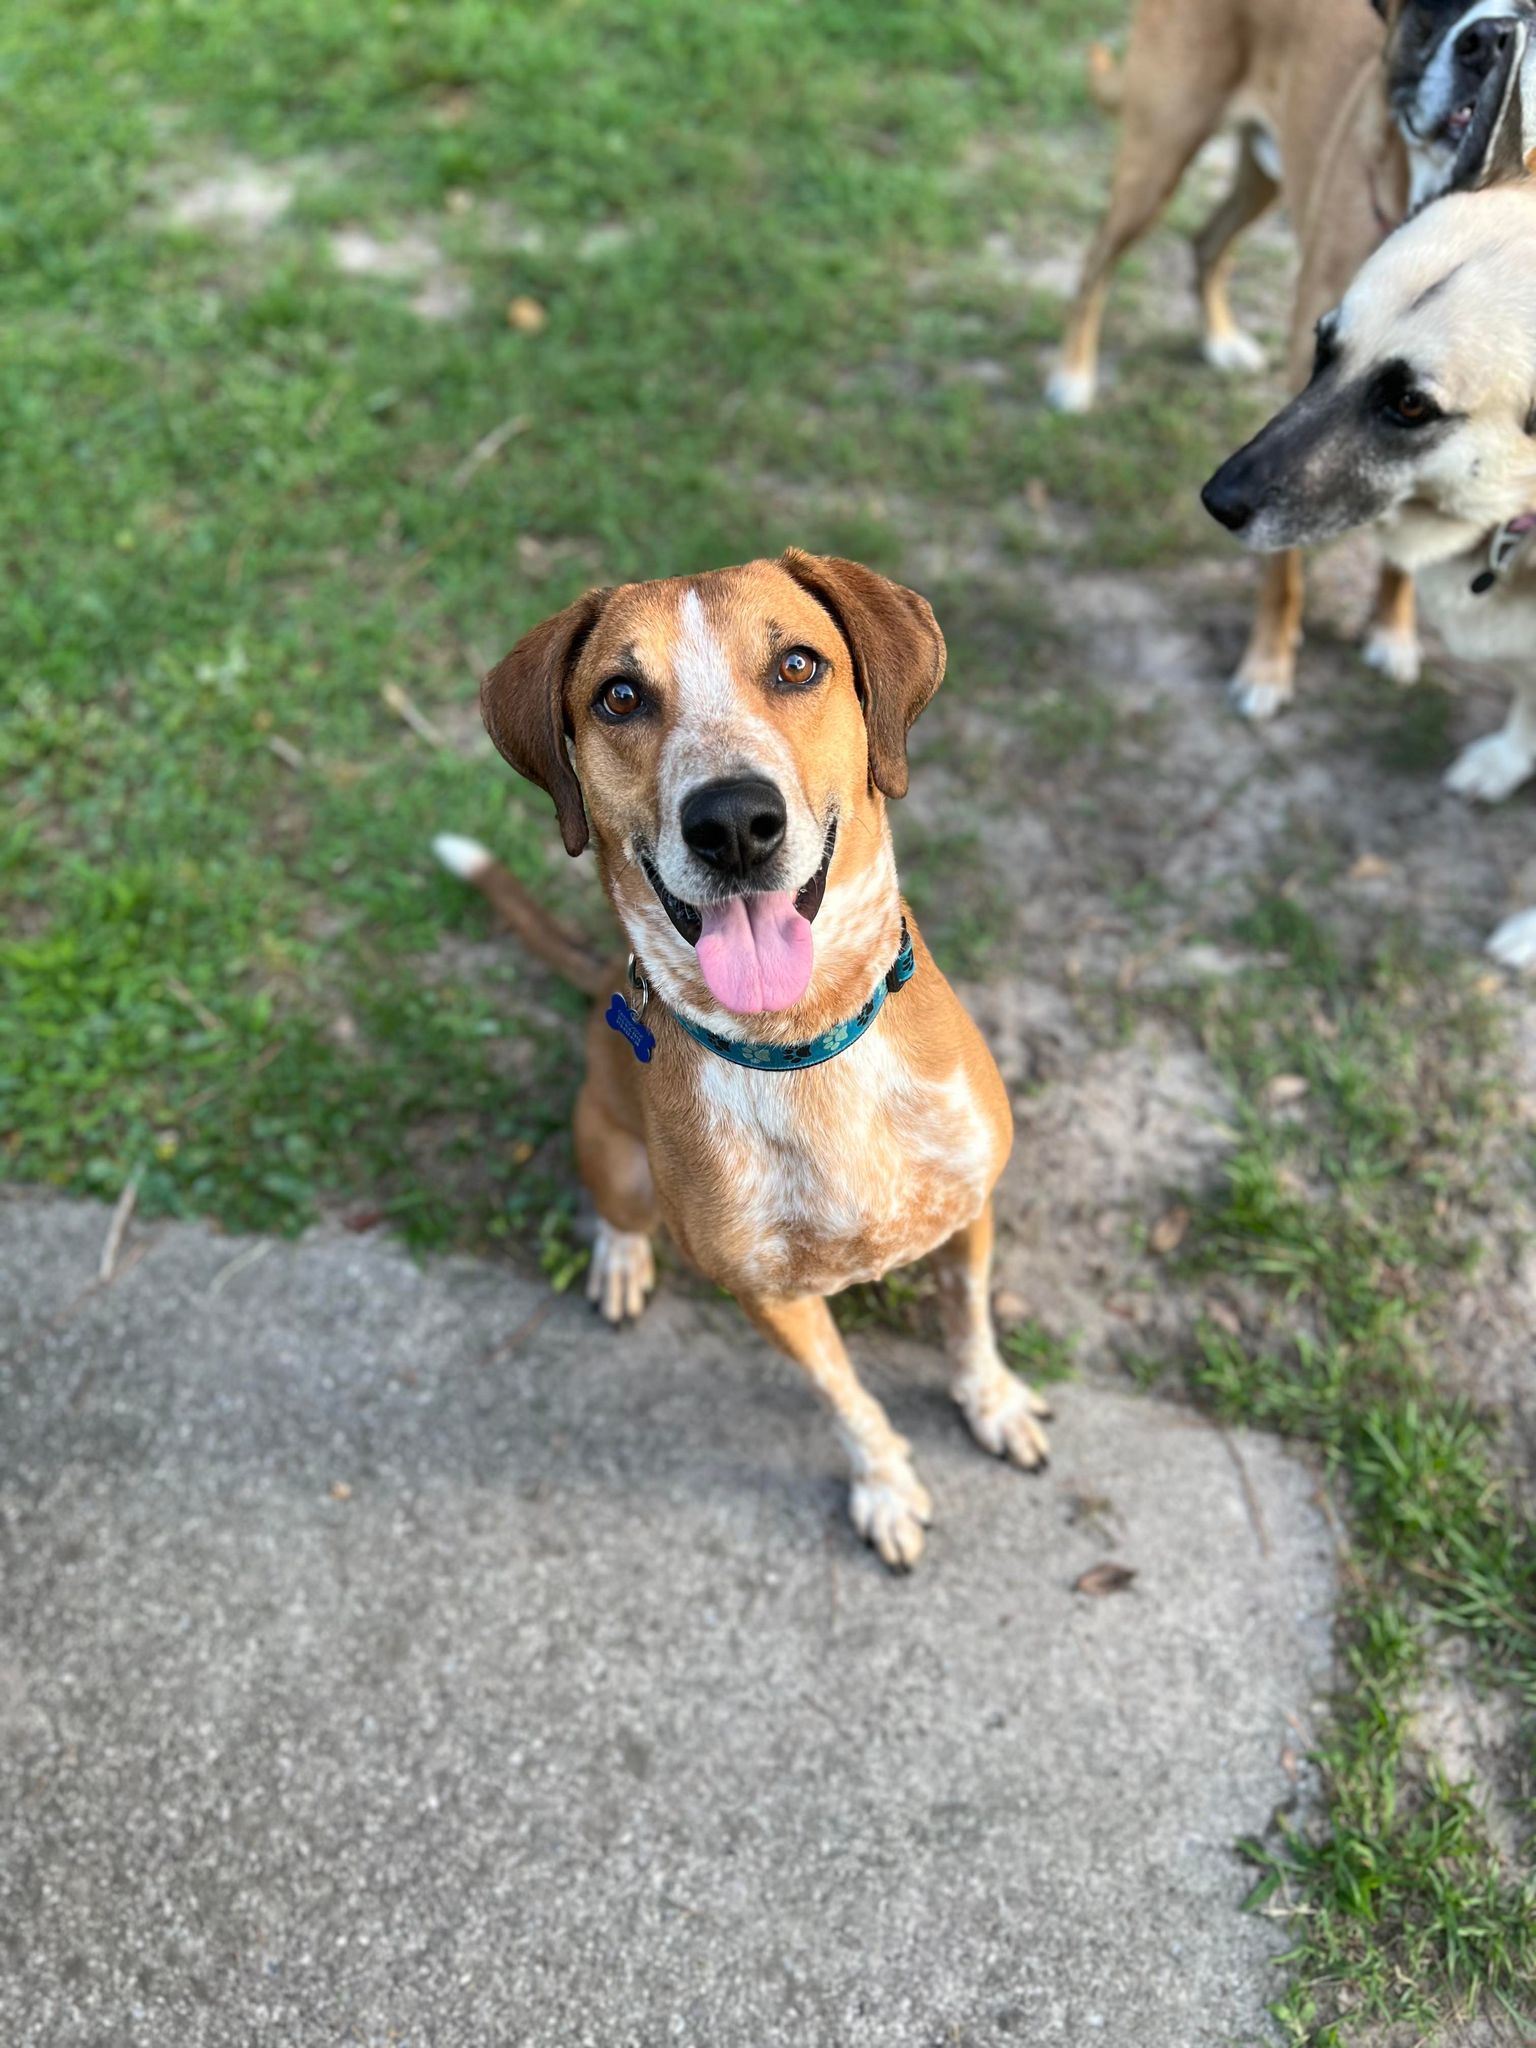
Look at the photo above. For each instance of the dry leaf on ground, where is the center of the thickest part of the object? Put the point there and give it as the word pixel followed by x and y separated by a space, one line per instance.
pixel 1101 1579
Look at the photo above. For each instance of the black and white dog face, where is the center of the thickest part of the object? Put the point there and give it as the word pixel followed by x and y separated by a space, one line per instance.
pixel 1420 417
pixel 1439 56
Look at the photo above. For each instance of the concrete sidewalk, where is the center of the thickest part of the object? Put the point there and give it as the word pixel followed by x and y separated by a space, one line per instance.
pixel 388 1655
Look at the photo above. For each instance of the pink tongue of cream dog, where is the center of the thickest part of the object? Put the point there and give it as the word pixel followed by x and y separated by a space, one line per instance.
pixel 755 952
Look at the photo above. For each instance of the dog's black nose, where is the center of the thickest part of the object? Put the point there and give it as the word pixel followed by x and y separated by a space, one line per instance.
pixel 1479 45
pixel 734 826
pixel 1226 502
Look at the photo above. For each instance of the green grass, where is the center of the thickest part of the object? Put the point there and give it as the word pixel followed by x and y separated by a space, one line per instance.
pixel 1347 1216
pixel 233 509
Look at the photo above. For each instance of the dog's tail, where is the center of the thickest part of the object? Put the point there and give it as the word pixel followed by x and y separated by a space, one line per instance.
pixel 544 936
pixel 1106 84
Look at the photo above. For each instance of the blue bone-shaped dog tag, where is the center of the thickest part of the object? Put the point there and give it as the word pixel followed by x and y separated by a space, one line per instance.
pixel 621 1018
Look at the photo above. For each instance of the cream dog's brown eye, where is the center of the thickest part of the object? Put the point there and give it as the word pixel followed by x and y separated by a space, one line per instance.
pixel 618 699
pixel 797 667
pixel 1413 409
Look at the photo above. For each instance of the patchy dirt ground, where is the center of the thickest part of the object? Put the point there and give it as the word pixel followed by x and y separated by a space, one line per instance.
pixel 1116 856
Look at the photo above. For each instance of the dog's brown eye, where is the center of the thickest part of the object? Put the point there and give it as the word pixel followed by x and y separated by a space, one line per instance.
pixel 618 698
pixel 1413 409
pixel 797 667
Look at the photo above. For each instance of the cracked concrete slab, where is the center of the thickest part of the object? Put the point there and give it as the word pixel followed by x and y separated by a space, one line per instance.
pixel 389 1655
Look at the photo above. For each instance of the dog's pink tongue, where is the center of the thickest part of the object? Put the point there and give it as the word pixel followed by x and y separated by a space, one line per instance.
pixel 755 952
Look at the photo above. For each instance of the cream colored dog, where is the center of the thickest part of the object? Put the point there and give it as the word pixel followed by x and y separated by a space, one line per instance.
pixel 1420 421
pixel 1313 87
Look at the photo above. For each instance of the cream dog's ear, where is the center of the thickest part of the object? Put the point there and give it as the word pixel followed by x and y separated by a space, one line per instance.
pixel 523 704
pixel 897 648
pixel 1500 145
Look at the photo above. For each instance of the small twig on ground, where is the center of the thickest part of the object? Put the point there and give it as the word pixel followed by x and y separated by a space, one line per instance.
pixel 410 714
pixel 1251 1499
pixel 414 563
pixel 321 417
pixel 286 752
pixel 486 449
pixel 237 1264
pixel 200 1010
pixel 522 1333
pixel 117 1229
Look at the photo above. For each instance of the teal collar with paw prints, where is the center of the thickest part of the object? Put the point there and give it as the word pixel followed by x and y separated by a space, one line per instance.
pixel 760 1054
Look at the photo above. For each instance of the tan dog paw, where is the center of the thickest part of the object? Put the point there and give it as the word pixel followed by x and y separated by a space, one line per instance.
pixel 1234 353
pixel 1262 687
pixel 1395 655
pixel 622 1273
pixel 1003 1415
pixel 890 1507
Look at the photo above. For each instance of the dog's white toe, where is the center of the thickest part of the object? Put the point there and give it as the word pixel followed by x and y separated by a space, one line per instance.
pixel 1492 769
pixel 1235 354
pixel 1261 690
pixel 1002 1414
pixel 1071 391
pixel 1397 656
pixel 622 1272
pixel 1514 941
pixel 891 1508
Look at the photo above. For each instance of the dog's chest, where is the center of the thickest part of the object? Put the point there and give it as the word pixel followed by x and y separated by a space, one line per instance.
pixel 814 1181
pixel 1498 624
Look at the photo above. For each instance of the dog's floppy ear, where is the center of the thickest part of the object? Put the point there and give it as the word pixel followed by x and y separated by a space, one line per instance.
pixel 522 701
pixel 897 649
pixel 1500 144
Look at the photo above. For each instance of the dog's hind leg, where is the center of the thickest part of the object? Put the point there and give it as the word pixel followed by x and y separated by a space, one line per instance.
pixel 1492 769
pixel 888 1503
pixel 1002 1411
pixel 1253 192
pixel 1266 678
pixel 1393 642
pixel 1160 132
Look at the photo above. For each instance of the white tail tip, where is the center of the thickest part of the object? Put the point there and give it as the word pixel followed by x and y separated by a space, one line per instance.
pixel 466 858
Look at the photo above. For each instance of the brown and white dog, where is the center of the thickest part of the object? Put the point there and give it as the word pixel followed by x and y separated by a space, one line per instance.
pixel 729 741
pixel 1420 421
pixel 1313 86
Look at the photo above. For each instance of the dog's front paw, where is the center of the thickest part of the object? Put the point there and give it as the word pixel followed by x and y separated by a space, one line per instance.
pixel 622 1272
pixel 1514 941
pixel 1004 1415
pixel 1262 687
pixel 890 1507
pixel 1071 391
pixel 1397 656
pixel 1235 354
pixel 1491 769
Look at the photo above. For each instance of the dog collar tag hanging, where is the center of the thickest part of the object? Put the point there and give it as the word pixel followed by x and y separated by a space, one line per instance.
pixel 1507 542
pixel 621 1018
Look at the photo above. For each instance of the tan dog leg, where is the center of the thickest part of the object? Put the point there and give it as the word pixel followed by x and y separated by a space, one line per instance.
pixel 613 1164
pixel 1160 131
pixel 888 1503
pixel 1393 645
pixel 1253 192
pixel 1266 681
pixel 997 1404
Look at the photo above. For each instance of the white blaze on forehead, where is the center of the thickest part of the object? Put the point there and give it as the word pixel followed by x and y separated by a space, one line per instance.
pixel 718 730
pixel 706 688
